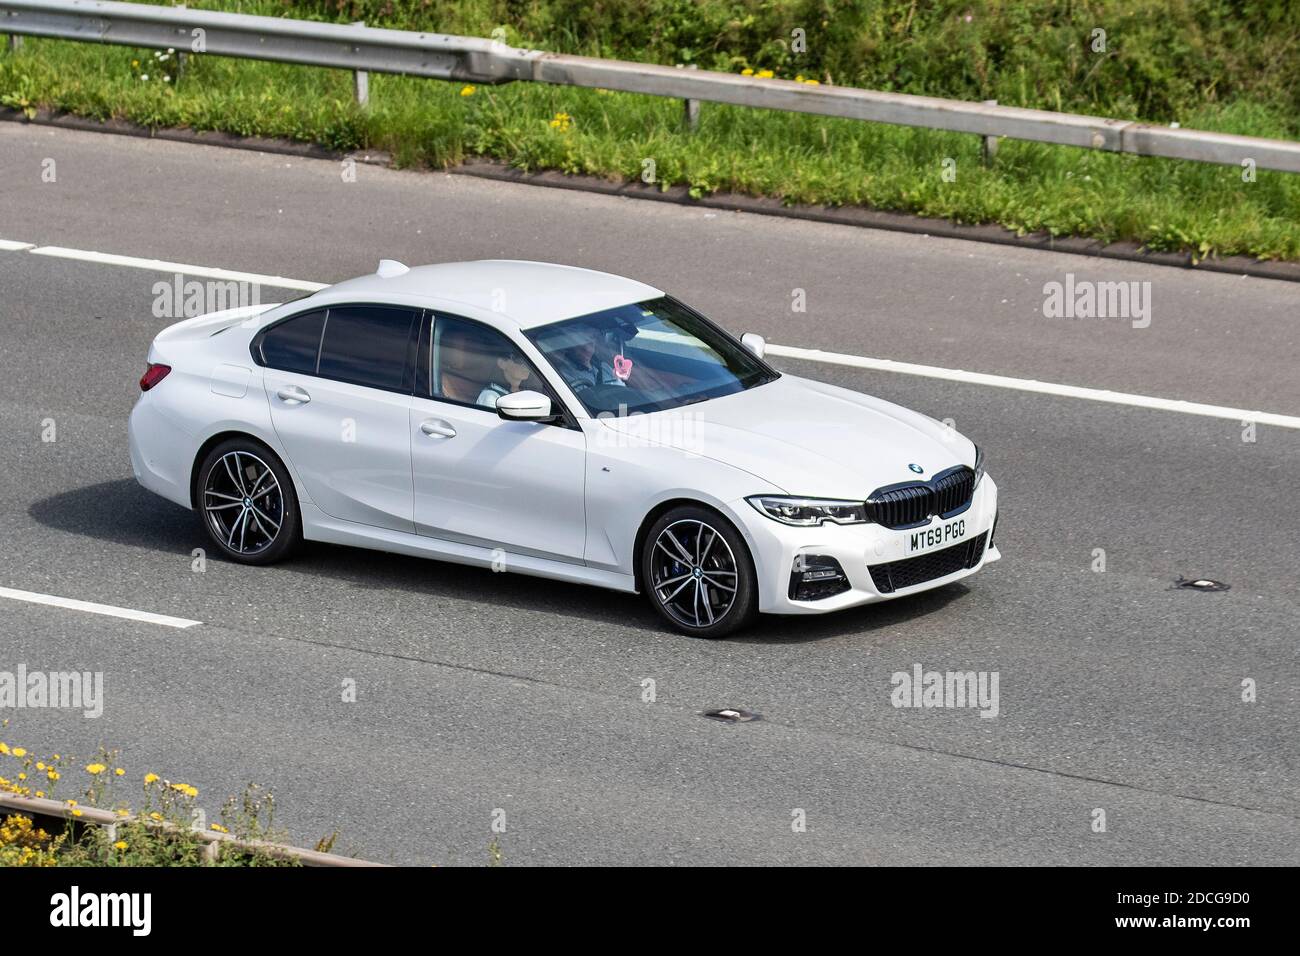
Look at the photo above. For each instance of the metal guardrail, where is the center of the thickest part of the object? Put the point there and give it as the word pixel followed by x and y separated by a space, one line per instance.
pixel 214 842
pixel 473 60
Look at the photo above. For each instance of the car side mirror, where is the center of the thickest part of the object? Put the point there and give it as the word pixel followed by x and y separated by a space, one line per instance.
pixel 754 343
pixel 526 406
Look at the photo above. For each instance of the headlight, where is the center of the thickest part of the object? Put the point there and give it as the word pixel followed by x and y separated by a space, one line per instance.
pixel 807 512
pixel 979 465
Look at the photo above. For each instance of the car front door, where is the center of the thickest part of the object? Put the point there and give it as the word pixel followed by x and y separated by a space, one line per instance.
pixel 481 480
pixel 339 384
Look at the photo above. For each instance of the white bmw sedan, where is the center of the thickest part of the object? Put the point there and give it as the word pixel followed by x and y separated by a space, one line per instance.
pixel 559 422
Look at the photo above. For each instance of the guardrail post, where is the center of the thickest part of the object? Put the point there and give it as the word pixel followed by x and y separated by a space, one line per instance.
pixel 990 147
pixel 692 109
pixel 361 78
pixel 180 54
pixel 15 43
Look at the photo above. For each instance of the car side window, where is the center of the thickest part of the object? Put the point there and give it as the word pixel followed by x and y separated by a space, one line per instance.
pixel 294 345
pixel 367 345
pixel 475 365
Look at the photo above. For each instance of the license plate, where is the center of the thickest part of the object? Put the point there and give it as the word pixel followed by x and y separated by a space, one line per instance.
pixel 938 536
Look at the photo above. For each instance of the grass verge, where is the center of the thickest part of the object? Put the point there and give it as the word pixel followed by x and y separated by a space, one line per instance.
pixel 1164 205
pixel 159 831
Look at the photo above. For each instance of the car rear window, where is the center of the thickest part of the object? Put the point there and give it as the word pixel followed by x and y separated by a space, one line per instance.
pixel 366 345
pixel 293 346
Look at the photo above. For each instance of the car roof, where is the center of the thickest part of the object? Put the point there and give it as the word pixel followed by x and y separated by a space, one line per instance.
pixel 527 294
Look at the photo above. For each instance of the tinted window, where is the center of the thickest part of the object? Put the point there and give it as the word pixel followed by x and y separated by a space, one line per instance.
pixel 293 345
pixel 647 357
pixel 366 345
pixel 474 364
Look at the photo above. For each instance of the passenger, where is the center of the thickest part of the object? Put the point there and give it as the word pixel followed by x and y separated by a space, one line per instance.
pixel 463 364
pixel 514 371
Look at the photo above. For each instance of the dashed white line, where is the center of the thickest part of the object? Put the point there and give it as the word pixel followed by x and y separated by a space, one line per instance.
pixel 787 351
pixel 108 610
pixel 162 265
pixel 1032 385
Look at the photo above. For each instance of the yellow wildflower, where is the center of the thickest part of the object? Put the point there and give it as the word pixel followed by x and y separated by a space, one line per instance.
pixel 468 90
pixel 95 768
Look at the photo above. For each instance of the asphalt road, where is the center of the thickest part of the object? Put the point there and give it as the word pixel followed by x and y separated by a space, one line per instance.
pixel 480 691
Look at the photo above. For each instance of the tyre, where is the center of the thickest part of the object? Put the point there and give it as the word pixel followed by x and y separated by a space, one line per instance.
pixel 247 502
pixel 698 574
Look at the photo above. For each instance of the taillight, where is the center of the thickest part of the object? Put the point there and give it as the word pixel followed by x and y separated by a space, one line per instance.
pixel 153 375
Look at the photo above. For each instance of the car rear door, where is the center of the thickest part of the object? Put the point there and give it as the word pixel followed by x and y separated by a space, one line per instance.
pixel 342 412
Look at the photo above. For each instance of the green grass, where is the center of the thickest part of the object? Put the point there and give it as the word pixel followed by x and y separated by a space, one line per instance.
pixel 1164 204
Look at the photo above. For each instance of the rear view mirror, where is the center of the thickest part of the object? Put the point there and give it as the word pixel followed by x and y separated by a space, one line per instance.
pixel 754 343
pixel 525 406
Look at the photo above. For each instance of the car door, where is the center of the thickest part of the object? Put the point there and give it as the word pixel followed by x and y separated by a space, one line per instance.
pixel 479 479
pixel 339 384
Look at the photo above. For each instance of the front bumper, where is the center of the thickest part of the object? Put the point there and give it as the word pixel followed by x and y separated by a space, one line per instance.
pixel 857 548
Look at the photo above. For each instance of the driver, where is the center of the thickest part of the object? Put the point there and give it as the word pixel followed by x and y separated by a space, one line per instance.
pixel 582 368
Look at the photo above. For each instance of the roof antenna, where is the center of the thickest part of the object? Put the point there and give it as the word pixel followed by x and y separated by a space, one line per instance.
pixel 388 268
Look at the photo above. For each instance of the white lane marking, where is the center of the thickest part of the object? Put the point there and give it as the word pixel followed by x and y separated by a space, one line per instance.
pixel 9 245
pixel 33 597
pixel 1032 385
pixel 788 351
pixel 162 265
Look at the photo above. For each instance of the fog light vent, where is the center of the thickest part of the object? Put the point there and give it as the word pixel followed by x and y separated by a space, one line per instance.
pixel 815 577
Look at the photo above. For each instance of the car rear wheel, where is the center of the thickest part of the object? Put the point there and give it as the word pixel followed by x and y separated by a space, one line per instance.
pixel 247 501
pixel 698 574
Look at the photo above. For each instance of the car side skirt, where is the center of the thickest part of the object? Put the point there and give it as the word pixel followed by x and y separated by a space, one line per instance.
pixel 318 526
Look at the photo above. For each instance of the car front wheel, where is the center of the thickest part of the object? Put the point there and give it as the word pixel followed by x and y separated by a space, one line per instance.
pixel 698 574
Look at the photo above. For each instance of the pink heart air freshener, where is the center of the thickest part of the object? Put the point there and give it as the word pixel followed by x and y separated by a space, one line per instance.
pixel 622 367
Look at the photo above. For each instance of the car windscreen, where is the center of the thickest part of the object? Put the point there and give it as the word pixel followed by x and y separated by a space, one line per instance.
pixel 647 357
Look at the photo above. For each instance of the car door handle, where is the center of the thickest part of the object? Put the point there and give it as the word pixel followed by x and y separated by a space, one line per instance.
pixel 293 395
pixel 437 428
